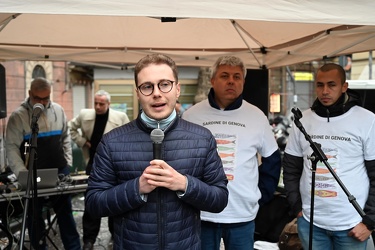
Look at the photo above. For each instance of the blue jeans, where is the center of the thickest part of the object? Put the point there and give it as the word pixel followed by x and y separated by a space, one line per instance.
pixel 326 239
pixel 62 206
pixel 236 236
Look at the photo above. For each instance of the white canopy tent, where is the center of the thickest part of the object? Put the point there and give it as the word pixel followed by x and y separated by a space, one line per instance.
pixel 119 32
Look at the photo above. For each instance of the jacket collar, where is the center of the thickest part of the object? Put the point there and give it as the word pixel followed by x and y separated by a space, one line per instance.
pixel 234 105
pixel 347 100
pixel 143 126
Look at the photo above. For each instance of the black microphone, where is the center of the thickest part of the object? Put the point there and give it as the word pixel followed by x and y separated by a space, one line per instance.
pixel 157 137
pixel 37 111
pixel 297 113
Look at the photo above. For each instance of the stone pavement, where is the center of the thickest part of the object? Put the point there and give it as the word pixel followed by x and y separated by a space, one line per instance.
pixel 103 240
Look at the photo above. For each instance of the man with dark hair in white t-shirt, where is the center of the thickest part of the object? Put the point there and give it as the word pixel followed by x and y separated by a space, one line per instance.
pixel 346 133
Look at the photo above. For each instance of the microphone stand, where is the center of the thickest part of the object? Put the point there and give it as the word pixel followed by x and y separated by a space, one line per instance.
pixel 318 155
pixel 31 178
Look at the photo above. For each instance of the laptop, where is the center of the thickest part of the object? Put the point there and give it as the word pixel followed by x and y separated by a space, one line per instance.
pixel 46 178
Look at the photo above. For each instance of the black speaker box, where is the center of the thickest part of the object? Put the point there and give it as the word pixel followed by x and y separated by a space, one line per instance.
pixel 3 98
pixel 256 89
pixel 367 98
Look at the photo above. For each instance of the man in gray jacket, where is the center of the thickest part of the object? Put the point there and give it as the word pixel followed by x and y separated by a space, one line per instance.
pixel 53 150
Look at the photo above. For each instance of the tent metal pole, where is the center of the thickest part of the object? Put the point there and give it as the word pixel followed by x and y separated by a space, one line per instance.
pixel 237 27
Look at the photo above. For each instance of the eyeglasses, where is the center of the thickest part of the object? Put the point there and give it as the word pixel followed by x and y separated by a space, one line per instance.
pixel 40 99
pixel 147 88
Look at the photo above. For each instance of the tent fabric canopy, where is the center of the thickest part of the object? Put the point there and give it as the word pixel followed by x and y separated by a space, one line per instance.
pixel 358 12
pixel 264 35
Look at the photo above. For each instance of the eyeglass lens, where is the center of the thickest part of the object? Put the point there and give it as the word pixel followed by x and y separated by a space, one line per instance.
pixel 41 99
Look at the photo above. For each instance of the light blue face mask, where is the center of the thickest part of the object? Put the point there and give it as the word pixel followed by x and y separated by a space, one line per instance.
pixel 162 124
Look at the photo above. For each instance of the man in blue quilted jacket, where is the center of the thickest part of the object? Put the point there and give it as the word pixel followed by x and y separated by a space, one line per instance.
pixel 156 173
